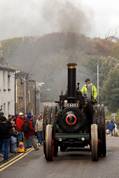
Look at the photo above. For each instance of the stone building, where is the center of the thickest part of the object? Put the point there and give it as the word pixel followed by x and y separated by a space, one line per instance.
pixel 25 94
pixel 31 96
pixel 7 90
pixel 20 92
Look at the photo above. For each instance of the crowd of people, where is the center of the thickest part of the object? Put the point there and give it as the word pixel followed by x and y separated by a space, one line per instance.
pixel 25 130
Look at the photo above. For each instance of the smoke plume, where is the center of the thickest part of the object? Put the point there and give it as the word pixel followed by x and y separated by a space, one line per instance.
pixel 65 16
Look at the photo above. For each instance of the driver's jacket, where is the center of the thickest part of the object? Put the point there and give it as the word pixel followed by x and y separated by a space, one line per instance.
pixel 84 91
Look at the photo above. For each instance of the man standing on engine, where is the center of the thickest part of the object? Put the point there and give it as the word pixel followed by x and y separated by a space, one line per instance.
pixel 89 90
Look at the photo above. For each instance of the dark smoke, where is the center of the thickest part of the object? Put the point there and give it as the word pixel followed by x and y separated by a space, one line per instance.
pixel 66 16
pixel 69 18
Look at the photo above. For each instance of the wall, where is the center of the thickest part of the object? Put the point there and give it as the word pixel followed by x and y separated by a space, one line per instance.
pixel 7 92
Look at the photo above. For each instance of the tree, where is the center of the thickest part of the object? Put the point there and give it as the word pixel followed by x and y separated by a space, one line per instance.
pixel 109 79
pixel 111 90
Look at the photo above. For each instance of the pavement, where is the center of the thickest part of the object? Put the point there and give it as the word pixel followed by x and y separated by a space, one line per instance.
pixel 10 156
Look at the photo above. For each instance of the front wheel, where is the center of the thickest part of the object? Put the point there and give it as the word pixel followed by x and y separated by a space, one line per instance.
pixel 94 142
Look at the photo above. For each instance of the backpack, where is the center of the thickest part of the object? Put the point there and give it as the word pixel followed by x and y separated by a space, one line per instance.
pixel 26 126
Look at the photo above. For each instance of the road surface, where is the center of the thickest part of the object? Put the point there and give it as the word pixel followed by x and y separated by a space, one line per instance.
pixel 67 165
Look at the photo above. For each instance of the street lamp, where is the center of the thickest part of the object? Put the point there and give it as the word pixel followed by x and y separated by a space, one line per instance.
pixel 15 89
pixel 98 82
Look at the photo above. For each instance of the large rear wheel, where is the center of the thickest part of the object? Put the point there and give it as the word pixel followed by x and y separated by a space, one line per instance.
pixel 99 119
pixel 102 133
pixel 94 142
pixel 102 142
pixel 49 143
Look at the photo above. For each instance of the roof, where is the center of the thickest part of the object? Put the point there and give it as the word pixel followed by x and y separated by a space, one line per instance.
pixel 6 67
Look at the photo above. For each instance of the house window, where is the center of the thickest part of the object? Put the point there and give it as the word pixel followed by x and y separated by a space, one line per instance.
pixel 4 80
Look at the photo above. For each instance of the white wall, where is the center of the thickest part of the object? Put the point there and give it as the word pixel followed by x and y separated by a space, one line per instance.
pixel 7 98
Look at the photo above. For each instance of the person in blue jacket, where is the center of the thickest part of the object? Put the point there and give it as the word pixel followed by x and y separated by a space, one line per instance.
pixel 111 126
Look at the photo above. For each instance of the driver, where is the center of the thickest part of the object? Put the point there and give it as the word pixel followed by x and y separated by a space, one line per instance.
pixel 89 90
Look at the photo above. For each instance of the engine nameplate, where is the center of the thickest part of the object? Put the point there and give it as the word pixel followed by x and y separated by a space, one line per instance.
pixel 72 105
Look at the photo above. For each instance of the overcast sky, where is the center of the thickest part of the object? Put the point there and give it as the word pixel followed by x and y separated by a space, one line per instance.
pixel 27 17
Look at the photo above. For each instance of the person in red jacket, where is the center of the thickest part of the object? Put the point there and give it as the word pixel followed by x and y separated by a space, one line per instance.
pixel 19 125
pixel 20 121
pixel 29 132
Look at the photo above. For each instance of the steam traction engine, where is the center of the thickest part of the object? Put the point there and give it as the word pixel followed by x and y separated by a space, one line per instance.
pixel 74 123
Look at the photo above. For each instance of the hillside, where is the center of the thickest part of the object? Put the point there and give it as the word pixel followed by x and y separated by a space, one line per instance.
pixel 46 57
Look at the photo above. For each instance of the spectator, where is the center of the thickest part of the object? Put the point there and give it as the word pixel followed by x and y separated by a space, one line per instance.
pixel 39 128
pixel 9 117
pixel 5 133
pixel 19 126
pixel 115 131
pixel 14 134
pixel 29 131
pixel 110 127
